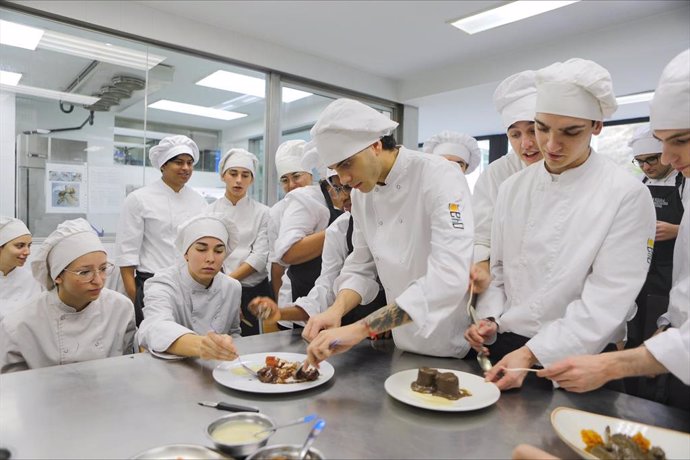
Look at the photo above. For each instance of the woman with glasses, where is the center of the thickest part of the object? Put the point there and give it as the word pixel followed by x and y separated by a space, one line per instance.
pixel 248 261
pixel 77 318
pixel 192 309
pixel 17 284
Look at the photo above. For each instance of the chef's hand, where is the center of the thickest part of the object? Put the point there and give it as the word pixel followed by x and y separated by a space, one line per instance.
pixel 265 308
pixel 665 231
pixel 505 380
pixel 480 276
pixel 217 346
pixel 477 335
pixel 328 319
pixel 333 341
pixel 579 373
pixel 527 452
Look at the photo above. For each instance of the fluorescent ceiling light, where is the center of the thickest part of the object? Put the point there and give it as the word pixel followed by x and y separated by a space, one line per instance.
pixel 19 35
pixel 9 78
pixel 244 84
pixel 197 110
pixel 634 98
pixel 104 52
pixel 512 12
pixel 49 94
pixel 131 132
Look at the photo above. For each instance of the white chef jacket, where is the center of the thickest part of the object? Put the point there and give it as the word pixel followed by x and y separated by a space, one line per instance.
pixel 275 215
pixel 335 252
pixel 148 225
pixel 16 288
pixel 672 347
pixel 251 219
pixel 416 232
pixel 484 200
pixel 306 213
pixel 46 332
pixel 175 305
pixel 569 254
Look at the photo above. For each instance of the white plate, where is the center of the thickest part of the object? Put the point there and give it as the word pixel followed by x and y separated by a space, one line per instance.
pixel 166 356
pixel 483 393
pixel 233 375
pixel 569 422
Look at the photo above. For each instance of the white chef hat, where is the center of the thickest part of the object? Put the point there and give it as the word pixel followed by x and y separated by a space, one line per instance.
pixel 171 146
pixel 331 172
pixel 515 98
pixel 575 88
pixel 238 158
pixel 70 240
pixel 671 104
pixel 346 127
pixel 289 157
pixel 643 142
pixel 456 144
pixel 311 161
pixel 11 228
pixel 214 224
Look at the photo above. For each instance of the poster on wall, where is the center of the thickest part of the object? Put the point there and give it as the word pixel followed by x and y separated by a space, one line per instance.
pixel 65 188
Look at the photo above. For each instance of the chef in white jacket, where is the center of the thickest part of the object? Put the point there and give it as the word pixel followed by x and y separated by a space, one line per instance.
pixel 515 99
pixel 458 148
pixel 308 211
pixel 667 351
pixel 77 318
pixel 292 175
pixel 151 214
pixel 412 226
pixel 17 284
pixel 248 261
pixel 192 309
pixel 572 236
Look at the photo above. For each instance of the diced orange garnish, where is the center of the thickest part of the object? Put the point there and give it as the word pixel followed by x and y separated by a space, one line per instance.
pixel 591 438
pixel 641 441
pixel 271 361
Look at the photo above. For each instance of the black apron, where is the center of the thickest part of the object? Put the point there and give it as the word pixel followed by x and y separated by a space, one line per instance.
pixel 362 311
pixel 139 280
pixel 303 276
pixel 669 208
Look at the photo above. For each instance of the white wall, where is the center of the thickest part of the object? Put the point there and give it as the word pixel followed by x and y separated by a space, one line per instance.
pixel 7 157
pixel 137 19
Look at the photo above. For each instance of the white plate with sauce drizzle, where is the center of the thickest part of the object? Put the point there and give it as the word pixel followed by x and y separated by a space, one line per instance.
pixel 483 394
pixel 232 375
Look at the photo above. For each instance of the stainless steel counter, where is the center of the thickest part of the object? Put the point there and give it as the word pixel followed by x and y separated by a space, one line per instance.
pixel 117 407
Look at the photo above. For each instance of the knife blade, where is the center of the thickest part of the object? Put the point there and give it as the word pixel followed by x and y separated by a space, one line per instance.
pixel 229 407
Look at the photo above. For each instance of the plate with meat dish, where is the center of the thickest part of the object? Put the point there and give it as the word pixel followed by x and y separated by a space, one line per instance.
pixel 594 436
pixel 444 390
pixel 278 373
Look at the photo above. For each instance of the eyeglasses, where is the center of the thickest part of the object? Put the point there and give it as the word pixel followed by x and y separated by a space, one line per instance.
pixel 294 176
pixel 651 161
pixel 338 188
pixel 86 276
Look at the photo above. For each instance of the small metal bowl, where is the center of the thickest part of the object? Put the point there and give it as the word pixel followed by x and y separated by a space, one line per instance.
pixel 243 448
pixel 289 451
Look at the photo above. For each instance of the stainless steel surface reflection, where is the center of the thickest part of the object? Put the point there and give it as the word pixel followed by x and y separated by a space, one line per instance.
pixel 117 407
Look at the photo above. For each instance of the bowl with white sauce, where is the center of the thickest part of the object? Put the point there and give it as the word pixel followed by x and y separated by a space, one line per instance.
pixel 241 433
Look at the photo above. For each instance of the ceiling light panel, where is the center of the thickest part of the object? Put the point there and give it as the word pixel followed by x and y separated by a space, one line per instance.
pixel 197 110
pixel 512 12
pixel 19 35
pixel 635 98
pixel 49 94
pixel 9 78
pixel 244 84
pixel 104 52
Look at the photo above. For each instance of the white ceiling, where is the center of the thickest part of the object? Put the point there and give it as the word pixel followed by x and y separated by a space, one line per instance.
pixel 448 74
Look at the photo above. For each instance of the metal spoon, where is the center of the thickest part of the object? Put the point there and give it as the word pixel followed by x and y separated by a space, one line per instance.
pixel 484 362
pixel 306 419
pixel 318 427
pixel 247 368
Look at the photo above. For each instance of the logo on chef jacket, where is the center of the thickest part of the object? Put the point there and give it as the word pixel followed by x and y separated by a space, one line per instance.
pixel 455 216
pixel 650 250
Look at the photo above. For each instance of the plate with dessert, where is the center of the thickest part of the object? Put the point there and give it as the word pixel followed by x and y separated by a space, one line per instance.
pixel 444 390
pixel 275 373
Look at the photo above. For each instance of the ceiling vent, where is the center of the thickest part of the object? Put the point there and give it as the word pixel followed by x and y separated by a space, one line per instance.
pixel 120 87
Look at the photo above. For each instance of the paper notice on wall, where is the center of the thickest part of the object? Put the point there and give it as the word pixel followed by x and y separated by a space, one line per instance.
pixel 66 188
pixel 106 192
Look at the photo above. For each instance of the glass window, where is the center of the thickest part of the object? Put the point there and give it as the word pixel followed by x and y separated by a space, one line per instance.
pixel 613 143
